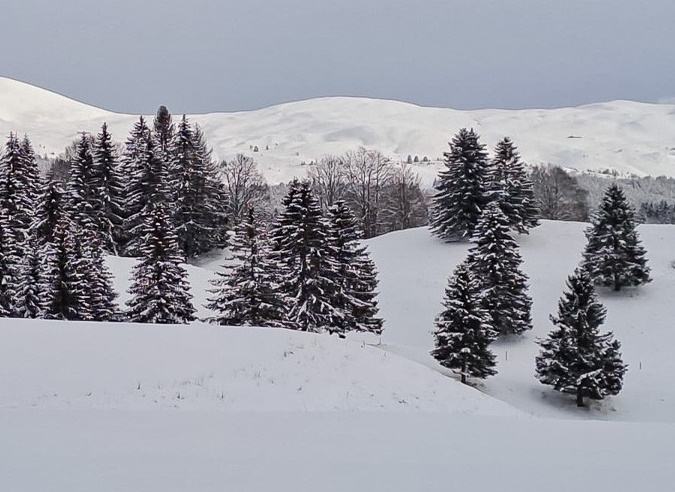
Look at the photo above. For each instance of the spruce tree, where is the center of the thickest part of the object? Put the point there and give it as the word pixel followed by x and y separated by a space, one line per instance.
pixel 160 289
pixel 9 266
pixel 576 358
pixel 614 256
pixel 244 292
pixel 199 209
pixel 31 290
pixel 80 190
pixel 146 177
pixel 464 329
pixel 108 185
pixel 460 196
pixel 301 252
pixel 49 208
pixel 66 274
pixel 495 261
pixel 510 186
pixel 355 274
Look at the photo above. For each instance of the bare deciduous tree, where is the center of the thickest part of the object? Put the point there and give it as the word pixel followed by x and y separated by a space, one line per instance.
pixel 244 186
pixel 368 173
pixel 405 204
pixel 558 194
pixel 329 180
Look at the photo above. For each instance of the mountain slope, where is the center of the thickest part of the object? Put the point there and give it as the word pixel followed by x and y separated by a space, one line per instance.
pixel 627 136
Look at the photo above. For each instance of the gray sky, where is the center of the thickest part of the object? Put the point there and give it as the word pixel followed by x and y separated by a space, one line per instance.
pixel 222 55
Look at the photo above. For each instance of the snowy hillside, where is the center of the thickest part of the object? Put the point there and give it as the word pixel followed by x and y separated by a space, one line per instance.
pixel 413 270
pixel 107 407
pixel 627 136
pixel 75 366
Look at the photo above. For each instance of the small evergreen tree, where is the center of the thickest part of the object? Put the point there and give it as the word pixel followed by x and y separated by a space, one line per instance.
pixel 244 292
pixel 510 186
pixel 160 289
pixel 300 250
pixel 614 256
pixel 355 274
pixel 464 329
pixel 495 261
pixel 576 358
pixel 460 196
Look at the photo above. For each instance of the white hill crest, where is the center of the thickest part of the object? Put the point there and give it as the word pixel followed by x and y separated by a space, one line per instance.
pixel 630 137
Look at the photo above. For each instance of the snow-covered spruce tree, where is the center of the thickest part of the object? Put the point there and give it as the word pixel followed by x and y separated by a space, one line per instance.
pixel 80 197
pixel 614 256
pixel 108 186
pixel 159 287
pixel 244 292
pixel 576 358
pixel 460 196
pixel 495 262
pixel 31 290
pixel 301 253
pixel 9 267
pixel 464 329
pixel 200 206
pixel 145 182
pixel 66 273
pixel 163 131
pixel 509 184
pixel 101 293
pixel 355 274
pixel 49 208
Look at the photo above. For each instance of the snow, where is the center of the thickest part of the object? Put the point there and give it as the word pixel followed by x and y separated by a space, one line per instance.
pixel 110 451
pixel 413 270
pixel 629 137
pixel 74 366
pixel 116 406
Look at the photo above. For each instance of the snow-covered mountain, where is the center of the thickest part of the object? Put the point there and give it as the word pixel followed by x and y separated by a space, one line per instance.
pixel 627 136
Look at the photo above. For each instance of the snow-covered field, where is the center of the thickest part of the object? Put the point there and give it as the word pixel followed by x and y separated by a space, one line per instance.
pixel 627 136
pixel 87 406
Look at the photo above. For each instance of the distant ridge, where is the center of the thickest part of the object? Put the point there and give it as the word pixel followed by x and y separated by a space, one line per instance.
pixel 630 137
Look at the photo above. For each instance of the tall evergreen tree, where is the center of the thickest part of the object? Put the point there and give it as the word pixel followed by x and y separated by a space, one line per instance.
pixel 460 196
pixel 80 190
pixel 199 205
pixel 145 183
pixel 49 208
pixel 244 292
pixel 300 248
pixel 464 329
pixel 160 289
pixel 614 256
pixel 576 358
pixel 355 274
pixel 66 273
pixel 509 184
pixel 495 261
pixel 9 266
pixel 163 130
pixel 31 289
pixel 108 185
pixel 19 182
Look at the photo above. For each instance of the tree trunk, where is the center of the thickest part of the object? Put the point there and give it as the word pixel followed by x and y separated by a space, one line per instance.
pixel 463 371
pixel 580 397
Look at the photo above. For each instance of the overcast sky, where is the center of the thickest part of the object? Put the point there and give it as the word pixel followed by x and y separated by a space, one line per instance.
pixel 222 55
